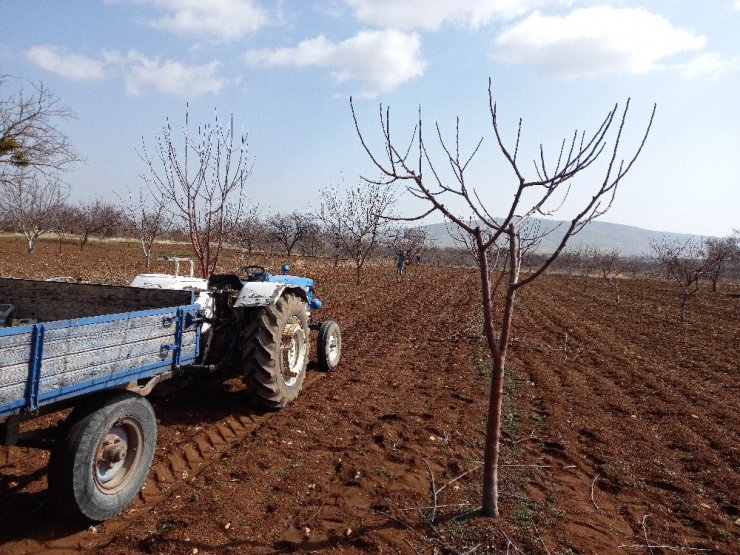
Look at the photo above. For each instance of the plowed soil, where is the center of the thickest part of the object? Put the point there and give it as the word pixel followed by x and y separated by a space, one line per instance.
pixel 621 427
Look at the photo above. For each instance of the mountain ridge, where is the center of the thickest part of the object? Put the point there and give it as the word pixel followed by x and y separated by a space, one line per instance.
pixel 629 240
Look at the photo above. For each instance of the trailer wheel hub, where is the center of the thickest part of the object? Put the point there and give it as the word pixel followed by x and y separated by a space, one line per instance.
pixel 118 454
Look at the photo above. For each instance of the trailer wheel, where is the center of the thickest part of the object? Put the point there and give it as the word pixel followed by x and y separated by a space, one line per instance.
pixel 329 345
pixel 275 352
pixel 101 462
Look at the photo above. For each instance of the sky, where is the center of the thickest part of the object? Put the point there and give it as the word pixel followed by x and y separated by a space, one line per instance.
pixel 286 70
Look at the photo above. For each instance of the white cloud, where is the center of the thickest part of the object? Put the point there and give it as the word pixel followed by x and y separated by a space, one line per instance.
pixel 220 19
pixel 169 76
pixel 140 71
pixel 423 14
pixel 736 4
pixel 708 64
pixel 381 59
pixel 67 64
pixel 595 41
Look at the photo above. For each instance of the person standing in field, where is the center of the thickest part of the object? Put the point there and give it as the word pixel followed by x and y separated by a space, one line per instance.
pixel 400 263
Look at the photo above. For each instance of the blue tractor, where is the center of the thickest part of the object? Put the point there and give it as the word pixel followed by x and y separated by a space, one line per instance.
pixel 257 325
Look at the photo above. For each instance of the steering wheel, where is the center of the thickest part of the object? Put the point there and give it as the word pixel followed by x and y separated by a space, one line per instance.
pixel 251 272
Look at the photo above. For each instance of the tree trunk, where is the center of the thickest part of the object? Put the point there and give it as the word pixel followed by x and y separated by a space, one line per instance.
pixel 498 352
pixel 615 287
pixel 493 421
pixel 493 438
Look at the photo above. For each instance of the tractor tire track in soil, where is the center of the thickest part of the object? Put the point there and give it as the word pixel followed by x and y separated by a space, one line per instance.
pixel 179 458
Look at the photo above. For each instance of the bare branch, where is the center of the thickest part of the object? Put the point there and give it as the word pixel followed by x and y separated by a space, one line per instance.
pixel 30 140
pixel 207 193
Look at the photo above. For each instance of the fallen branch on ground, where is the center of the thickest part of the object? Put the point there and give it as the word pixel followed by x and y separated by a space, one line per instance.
pixel 593 483
pixel 649 546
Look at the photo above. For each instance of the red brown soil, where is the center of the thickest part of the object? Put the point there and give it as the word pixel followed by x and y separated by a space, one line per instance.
pixel 621 428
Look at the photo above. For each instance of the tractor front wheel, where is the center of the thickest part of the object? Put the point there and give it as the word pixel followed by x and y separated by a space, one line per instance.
pixel 329 345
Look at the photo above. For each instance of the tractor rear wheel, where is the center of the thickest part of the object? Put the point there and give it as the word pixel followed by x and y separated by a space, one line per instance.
pixel 275 351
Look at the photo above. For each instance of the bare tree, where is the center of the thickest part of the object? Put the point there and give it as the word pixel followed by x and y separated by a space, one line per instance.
pixel 32 202
pixel 147 219
pixel 685 263
pixel 466 244
pixel 587 263
pixel 413 241
pixel 289 229
pixel 314 241
pixel 354 220
pixel 66 222
pixel 412 165
pixel 248 231
pixel 720 251
pixel 611 265
pixel 570 259
pixel 29 137
pixel 95 217
pixel 204 180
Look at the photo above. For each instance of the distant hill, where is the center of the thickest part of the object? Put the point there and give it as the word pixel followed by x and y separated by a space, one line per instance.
pixel 630 240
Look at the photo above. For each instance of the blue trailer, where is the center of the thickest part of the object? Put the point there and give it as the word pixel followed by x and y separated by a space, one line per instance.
pixel 98 349
pixel 101 349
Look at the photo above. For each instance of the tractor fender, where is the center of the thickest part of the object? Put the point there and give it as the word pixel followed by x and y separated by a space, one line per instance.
pixel 265 293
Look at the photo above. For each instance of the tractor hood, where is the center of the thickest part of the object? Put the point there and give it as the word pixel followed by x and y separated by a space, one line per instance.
pixel 267 292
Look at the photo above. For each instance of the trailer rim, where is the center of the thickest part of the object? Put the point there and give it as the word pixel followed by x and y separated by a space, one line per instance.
pixel 118 453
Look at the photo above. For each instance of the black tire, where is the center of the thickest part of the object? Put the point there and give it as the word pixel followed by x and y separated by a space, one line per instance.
pixel 275 351
pixel 329 345
pixel 100 463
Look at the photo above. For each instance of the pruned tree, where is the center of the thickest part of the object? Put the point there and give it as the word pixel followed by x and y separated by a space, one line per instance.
pixel 587 263
pixel 610 265
pixel 720 251
pixel 95 217
pixel 354 219
pixel 413 165
pixel 33 203
pixel 148 219
pixel 467 245
pixel 570 259
pixel 30 140
pixel 289 229
pixel 248 231
pixel 66 222
pixel 314 241
pixel 685 263
pixel 413 241
pixel 203 178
